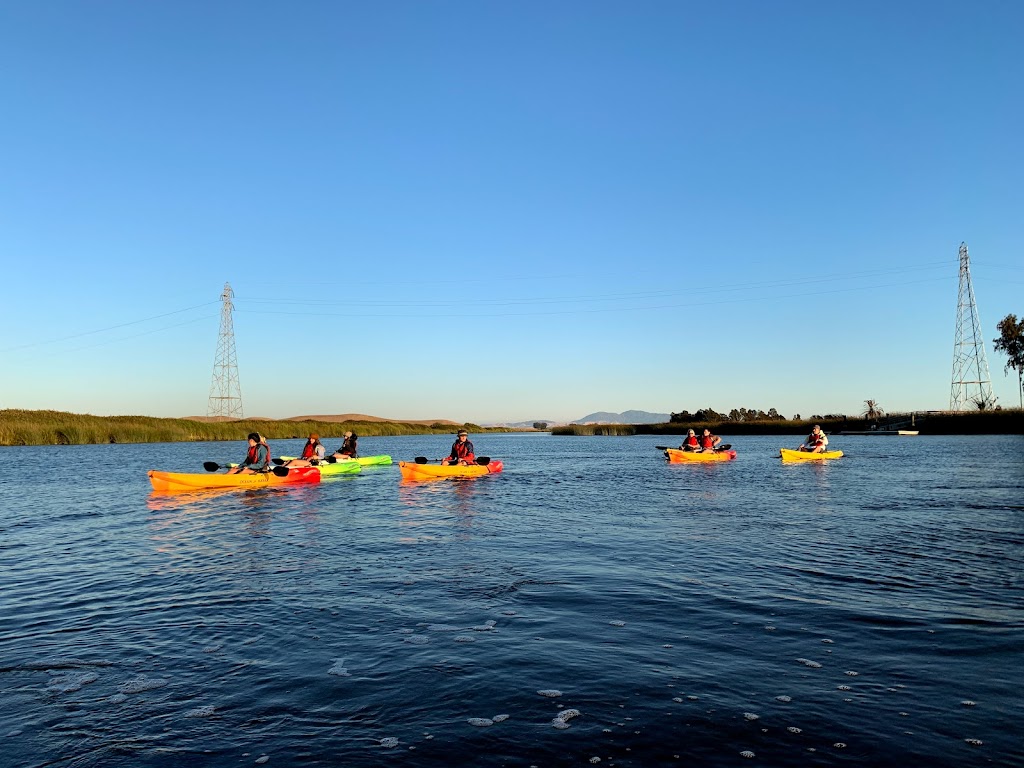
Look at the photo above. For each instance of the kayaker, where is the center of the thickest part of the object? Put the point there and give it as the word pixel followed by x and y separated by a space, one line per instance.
pixel 257 459
pixel 348 448
pixel 709 442
pixel 691 443
pixel 816 442
pixel 312 451
pixel 462 450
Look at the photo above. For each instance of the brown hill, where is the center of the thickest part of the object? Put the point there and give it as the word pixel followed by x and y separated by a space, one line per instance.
pixel 340 417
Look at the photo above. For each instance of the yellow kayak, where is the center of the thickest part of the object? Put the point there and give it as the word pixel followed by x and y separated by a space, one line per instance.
pixel 413 471
pixel 675 456
pixel 791 455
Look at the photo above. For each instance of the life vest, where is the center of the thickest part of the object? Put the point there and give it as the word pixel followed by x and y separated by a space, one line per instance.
pixel 707 441
pixel 816 439
pixel 692 441
pixel 462 451
pixel 253 454
pixel 348 447
pixel 309 451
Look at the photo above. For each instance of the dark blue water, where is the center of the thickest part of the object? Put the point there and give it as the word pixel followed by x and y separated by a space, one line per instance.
pixel 864 611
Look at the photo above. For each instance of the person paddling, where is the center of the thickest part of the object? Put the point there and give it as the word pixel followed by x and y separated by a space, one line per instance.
pixel 257 458
pixel 348 448
pixel 462 450
pixel 816 442
pixel 312 451
pixel 691 443
pixel 709 442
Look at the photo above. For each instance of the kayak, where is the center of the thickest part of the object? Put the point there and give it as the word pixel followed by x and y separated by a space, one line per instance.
pixel 791 455
pixel 339 468
pixel 413 471
pixel 675 456
pixel 362 461
pixel 192 481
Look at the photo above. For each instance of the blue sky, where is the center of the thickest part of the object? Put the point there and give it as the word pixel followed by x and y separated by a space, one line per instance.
pixel 492 211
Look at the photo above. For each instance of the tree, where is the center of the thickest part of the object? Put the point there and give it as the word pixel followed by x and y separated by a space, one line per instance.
pixel 1011 343
pixel 540 425
pixel 872 410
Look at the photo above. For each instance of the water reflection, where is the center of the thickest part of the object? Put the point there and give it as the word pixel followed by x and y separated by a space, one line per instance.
pixel 426 504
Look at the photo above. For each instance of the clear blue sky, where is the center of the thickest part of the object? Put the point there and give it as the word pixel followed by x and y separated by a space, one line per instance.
pixel 494 211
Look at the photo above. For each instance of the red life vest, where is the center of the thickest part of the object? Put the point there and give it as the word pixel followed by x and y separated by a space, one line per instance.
pixel 692 441
pixel 252 455
pixel 462 450
pixel 309 451
pixel 815 439
pixel 707 441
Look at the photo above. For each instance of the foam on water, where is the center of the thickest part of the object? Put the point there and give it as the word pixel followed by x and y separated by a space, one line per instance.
pixel 339 669
pixel 551 693
pixel 809 663
pixel 388 742
pixel 142 683
pixel 205 711
pixel 480 722
pixel 70 681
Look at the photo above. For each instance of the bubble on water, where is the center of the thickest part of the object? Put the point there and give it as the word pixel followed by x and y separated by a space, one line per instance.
pixel 213 648
pixel 617 623
pixel 751 716
pixel 441 628
pixel 839 745
pixel 794 729
pixel 405 631
pixel 489 627
pixel 508 613
pixel 827 641
pixel 417 639
pixel 783 698
pixel 500 718
pixel 206 711
pixel 252 640
pixel 678 699
pixel 71 681
pixel 142 683
pixel 389 741
pixel 852 674
pixel 595 759
pixel 693 698
pixel 842 687
pixel 261 760
pixel 551 693
pixel 974 742
pixel 969 703
pixel 666 646
pixel 339 669
pixel 746 753
pixel 769 629
pixel 809 663
pixel 480 722
pixel 606 730
pixel 559 724
pixel 904 714
pixel 117 698
pixel 429 736
pixel 847 700
pixel 464 639
pixel 568 714
pixel 931 631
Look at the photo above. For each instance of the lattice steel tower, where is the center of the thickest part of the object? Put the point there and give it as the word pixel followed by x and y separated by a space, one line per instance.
pixel 972 384
pixel 225 391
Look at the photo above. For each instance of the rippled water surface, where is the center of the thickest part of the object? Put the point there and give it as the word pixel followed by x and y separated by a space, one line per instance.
pixel 591 604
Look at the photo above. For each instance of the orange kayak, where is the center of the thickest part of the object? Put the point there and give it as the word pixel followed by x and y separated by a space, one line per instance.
pixel 675 456
pixel 193 481
pixel 413 471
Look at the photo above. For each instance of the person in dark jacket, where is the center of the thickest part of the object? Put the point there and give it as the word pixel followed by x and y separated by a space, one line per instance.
pixel 462 450
pixel 348 448
pixel 257 458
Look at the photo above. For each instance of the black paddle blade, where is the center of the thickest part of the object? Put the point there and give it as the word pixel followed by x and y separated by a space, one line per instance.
pixel 211 466
pixel 332 459
pixel 279 462
pixel 280 471
pixel 421 460
pixel 724 447
pixel 662 447
pixel 483 460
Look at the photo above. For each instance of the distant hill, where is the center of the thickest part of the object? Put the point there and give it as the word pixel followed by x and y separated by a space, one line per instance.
pixel 526 424
pixel 626 417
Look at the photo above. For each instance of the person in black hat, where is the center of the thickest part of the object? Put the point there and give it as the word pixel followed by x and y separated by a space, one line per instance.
pixel 462 450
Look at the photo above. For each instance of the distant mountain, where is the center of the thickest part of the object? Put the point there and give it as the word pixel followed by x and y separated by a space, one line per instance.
pixel 626 417
pixel 525 424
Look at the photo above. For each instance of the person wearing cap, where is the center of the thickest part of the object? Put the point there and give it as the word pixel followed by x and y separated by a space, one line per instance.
pixel 257 458
pixel 348 448
pixel 691 443
pixel 816 442
pixel 462 450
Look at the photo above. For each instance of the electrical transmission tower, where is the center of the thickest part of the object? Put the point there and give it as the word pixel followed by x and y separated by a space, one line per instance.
pixel 225 391
pixel 972 384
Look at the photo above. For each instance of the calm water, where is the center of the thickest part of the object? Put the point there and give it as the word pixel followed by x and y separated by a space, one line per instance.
pixel 866 611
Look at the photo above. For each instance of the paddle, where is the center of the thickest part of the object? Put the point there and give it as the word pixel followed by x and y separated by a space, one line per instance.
pixel 722 447
pixel 481 460
pixel 213 466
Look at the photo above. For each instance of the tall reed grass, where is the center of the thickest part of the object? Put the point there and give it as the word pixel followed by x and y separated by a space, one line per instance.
pixel 20 427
